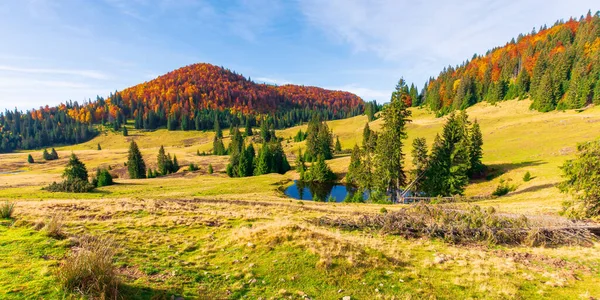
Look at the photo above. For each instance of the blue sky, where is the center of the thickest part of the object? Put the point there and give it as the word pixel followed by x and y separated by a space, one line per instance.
pixel 58 50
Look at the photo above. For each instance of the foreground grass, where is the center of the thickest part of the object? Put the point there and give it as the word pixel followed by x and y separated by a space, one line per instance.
pixel 198 235
pixel 219 249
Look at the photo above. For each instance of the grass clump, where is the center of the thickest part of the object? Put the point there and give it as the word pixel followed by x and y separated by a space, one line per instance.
pixel 6 210
pixel 458 226
pixel 54 227
pixel 89 270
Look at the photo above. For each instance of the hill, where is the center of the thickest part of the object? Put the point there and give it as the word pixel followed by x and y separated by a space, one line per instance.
pixel 557 67
pixel 194 233
pixel 189 98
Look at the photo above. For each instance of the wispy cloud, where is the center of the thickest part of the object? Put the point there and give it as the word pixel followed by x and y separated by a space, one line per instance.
pixel 271 80
pixel 82 73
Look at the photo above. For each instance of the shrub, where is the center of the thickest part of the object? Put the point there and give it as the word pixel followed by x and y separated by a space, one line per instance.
pixel 53 228
pixel 103 178
pixel 527 177
pixel 6 210
pixel 503 188
pixel 210 169
pixel 30 159
pixel 192 167
pixel 90 270
pixel 71 186
pixel 331 199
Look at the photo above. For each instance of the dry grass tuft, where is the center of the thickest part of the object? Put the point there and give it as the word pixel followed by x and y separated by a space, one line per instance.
pixel 459 226
pixel 53 228
pixel 89 270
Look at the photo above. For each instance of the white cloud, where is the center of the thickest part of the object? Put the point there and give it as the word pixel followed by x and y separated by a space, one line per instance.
pixel 271 80
pixel 432 34
pixel 366 94
pixel 82 73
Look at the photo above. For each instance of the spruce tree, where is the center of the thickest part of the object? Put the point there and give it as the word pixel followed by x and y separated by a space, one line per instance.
pixel 338 145
pixel 320 171
pixel 99 148
pixel 75 170
pixel 389 157
pixel 218 147
pixel 420 162
pixel 125 132
pixel 210 169
pixel 353 175
pixel 217 128
pixel 135 162
pixel 30 159
pixel 54 154
pixel 175 164
pixel 300 164
pixel 161 161
pixel 46 155
pixel 263 161
pixel 248 128
pixel 476 151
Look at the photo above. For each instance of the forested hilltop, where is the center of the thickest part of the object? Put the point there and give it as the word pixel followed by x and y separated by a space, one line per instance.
pixel 190 98
pixel 557 67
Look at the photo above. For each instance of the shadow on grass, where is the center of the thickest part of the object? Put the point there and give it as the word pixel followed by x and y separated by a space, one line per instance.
pixel 127 291
pixel 534 188
pixel 496 170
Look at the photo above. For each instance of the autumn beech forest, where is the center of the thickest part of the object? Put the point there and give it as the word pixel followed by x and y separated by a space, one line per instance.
pixel 190 98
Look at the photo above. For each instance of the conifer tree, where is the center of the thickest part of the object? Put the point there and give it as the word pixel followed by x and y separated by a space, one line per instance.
pixel 420 162
pixel 300 164
pixel 125 132
pixel 338 145
pixel 46 155
pixel 75 170
pixel 476 151
pixel 354 169
pixel 175 164
pixel 389 157
pixel 248 128
pixel 161 161
pixel 30 159
pixel 99 148
pixel 54 154
pixel 218 147
pixel 135 162
pixel 263 162
pixel 217 128
pixel 320 171
pixel 210 169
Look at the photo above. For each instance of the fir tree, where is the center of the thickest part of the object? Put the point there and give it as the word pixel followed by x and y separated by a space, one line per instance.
pixel 135 162
pixel 217 128
pixel 320 171
pixel 248 128
pixel 300 164
pixel 99 148
pixel 475 151
pixel 354 169
pixel 210 169
pixel 54 154
pixel 389 157
pixel 420 162
pixel 46 155
pixel 218 147
pixel 338 145
pixel 162 162
pixel 75 170
pixel 125 132
pixel 30 159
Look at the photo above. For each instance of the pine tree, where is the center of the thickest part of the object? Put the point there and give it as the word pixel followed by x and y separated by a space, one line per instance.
pixel 320 171
pixel 263 162
pixel 420 162
pixel 246 164
pixel 389 157
pixel 264 131
pixel 248 128
pixel 300 164
pixel 30 159
pixel 218 147
pixel 75 170
pixel 354 169
pixel 217 128
pixel 175 164
pixel 125 132
pixel 54 154
pixel 46 155
pixel 161 161
pixel 338 145
pixel 99 148
pixel 135 162
pixel 210 169
pixel 475 151
pixel 103 178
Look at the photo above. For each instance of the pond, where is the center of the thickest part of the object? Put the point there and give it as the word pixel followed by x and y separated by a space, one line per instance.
pixel 319 191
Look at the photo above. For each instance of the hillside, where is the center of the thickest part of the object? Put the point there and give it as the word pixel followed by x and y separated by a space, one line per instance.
pixel 557 67
pixel 172 231
pixel 189 98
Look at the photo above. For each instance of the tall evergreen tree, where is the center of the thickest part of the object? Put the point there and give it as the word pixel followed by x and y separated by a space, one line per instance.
pixel 420 162
pixel 135 162
pixel 475 151
pixel 338 145
pixel 354 169
pixel 162 162
pixel 217 128
pixel 75 170
pixel 389 157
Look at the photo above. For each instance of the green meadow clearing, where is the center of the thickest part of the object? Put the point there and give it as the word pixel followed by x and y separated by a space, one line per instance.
pixel 206 236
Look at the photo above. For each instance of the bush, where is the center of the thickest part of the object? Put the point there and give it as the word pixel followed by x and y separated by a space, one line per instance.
pixel 71 186
pixel 192 167
pixel 30 159
pixel 103 178
pixel 527 177
pixel 503 188
pixel 6 210
pixel 90 270
pixel 210 169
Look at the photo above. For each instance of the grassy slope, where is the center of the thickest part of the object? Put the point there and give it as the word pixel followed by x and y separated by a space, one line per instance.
pixel 201 247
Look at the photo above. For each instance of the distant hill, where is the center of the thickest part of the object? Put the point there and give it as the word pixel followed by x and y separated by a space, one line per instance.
pixel 190 98
pixel 557 67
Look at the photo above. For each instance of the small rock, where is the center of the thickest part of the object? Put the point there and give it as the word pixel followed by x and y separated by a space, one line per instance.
pixel 253 280
pixel 401 280
pixel 251 266
pixel 376 290
pixel 250 245
pixel 236 261
pixel 346 298
pixel 340 290
pixel 381 285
